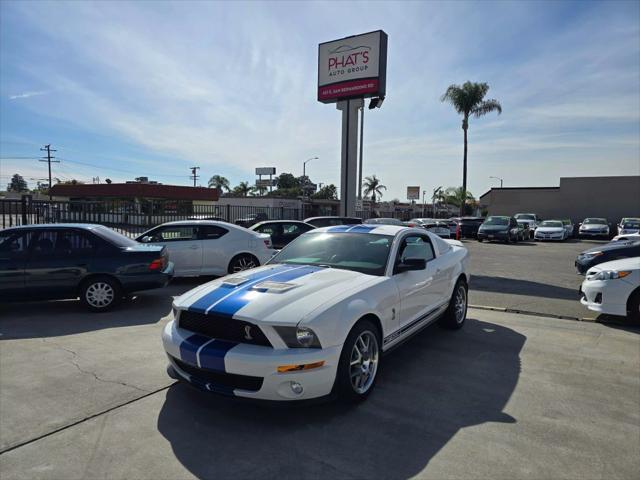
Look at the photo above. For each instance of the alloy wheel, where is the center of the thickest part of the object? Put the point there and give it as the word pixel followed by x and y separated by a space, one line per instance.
pixel 460 304
pixel 244 263
pixel 363 363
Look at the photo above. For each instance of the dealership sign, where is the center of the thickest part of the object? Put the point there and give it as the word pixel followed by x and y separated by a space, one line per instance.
pixel 353 67
pixel 413 193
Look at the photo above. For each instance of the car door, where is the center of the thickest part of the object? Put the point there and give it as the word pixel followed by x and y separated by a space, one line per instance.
pixel 215 243
pixel 14 249
pixel 58 260
pixel 183 244
pixel 418 289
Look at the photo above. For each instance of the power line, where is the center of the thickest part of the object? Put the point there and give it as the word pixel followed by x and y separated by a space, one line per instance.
pixel 49 159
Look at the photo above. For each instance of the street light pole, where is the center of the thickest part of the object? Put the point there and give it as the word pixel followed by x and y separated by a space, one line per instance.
pixel 304 165
pixel 498 178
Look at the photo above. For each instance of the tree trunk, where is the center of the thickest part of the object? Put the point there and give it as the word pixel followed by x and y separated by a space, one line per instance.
pixel 465 126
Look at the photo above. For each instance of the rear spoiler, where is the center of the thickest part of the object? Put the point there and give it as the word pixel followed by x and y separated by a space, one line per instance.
pixel 451 241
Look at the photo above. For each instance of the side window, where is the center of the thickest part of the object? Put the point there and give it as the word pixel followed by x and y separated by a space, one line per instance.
pixel 267 229
pixel 291 229
pixel 212 232
pixel 14 245
pixel 175 233
pixel 43 246
pixel 416 247
pixel 74 243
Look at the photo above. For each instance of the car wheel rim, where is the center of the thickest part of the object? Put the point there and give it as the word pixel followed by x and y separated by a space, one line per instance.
pixel 363 364
pixel 244 264
pixel 460 304
pixel 100 294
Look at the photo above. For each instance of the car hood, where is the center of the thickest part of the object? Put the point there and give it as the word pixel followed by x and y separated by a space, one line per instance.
pixel 494 228
pixel 550 229
pixel 620 244
pixel 275 294
pixel 623 264
pixel 595 226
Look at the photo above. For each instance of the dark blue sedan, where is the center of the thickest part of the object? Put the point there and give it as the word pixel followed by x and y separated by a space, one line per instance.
pixel 93 262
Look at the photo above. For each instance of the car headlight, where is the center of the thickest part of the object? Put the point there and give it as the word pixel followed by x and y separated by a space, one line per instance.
pixel 298 337
pixel 591 255
pixel 610 275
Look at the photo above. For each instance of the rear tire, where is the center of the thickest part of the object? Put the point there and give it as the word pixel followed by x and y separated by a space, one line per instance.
pixel 100 293
pixel 244 261
pixel 456 313
pixel 359 363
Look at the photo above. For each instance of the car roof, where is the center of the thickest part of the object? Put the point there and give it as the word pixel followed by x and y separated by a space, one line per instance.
pixel 86 226
pixel 376 229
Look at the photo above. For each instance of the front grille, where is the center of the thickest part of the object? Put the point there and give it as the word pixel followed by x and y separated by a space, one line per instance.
pixel 220 379
pixel 223 328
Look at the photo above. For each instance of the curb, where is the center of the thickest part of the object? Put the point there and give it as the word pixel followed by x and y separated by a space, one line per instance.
pixel 536 314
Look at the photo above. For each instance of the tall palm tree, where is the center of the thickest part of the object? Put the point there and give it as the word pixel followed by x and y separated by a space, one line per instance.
pixel 455 196
pixel 373 187
pixel 220 183
pixel 243 189
pixel 468 100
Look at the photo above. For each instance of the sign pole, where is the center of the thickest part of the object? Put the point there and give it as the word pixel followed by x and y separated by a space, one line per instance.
pixel 349 151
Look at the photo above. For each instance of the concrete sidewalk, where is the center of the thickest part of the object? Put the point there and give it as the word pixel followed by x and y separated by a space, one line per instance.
pixel 509 396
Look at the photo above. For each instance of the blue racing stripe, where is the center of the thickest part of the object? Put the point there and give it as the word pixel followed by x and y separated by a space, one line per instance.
pixel 362 228
pixel 212 356
pixel 203 303
pixel 243 295
pixel 339 228
pixel 190 346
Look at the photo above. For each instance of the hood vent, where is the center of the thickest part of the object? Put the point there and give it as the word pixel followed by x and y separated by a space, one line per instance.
pixel 273 287
pixel 234 281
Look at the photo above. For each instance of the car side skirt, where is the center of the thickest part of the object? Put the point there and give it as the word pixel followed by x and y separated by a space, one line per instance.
pixel 407 331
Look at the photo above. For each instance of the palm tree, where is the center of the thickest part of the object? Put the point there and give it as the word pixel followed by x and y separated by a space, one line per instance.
pixel 243 189
pixel 219 183
pixel 454 196
pixel 468 99
pixel 373 187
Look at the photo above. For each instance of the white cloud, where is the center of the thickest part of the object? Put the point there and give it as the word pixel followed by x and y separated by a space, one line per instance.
pixel 27 95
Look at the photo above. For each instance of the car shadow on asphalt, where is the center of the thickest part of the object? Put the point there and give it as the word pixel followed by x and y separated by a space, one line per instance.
pixel 436 384
pixel 67 317
pixel 515 286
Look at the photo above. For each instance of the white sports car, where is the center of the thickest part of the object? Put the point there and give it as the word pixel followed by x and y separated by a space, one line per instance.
pixel 208 247
pixel 316 319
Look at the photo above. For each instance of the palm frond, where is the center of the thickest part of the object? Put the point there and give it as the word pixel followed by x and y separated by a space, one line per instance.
pixel 485 107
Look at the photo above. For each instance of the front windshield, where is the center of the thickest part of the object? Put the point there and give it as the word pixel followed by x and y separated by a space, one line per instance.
pixel 525 216
pixel 360 252
pixel 497 221
pixel 632 225
pixel 595 221
pixel 550 223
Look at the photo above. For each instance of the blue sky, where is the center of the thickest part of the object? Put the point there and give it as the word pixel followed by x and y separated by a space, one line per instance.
pixel 128 89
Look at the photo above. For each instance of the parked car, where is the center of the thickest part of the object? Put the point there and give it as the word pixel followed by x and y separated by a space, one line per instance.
pixel 613 288
pixel 282 231
pixel 319 316
pixel 594 227
pixel 207 247
pixel 92 262
pixel 251 219
pixel 628 226
pixel 606 253
pixel 384 221
pixel 630 236
pixel 468 226
pixel 499 227
pixel 569 227
pixel 532 219
pixel 523 230
pixel 551 230
pixel 329 221
pixel 438 227
pixel 206 217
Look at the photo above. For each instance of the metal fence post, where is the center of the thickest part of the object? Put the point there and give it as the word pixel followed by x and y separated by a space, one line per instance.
pixel 23 206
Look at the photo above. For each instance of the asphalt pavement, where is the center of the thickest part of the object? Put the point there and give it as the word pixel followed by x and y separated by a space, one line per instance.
pixel 508 396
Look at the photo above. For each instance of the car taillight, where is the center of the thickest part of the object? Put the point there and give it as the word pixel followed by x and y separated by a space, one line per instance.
pixel 157 264
pixel 267 243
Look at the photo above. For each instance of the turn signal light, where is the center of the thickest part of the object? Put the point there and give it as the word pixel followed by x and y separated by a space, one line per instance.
pixel 157 264
pixel 297 368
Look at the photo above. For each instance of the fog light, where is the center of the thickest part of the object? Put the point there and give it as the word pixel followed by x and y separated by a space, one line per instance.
pixel 296 387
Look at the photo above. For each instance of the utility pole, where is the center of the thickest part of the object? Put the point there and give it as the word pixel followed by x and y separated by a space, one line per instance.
pixel 194 175
pixel 433 200
pixel 49 159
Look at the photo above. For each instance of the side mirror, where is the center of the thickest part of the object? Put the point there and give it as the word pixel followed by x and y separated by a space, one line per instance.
pixel 145 239
pixel 411 264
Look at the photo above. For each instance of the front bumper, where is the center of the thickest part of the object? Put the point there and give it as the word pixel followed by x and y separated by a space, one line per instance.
pixel 549 236
pixel 248 371
pixel 593 233
pixel 493 235
pixel 605 296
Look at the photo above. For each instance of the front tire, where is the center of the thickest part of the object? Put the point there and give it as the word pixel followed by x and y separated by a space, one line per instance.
pixel 100 294
pixel 633 307
pixel 456 313
pixel 359 362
